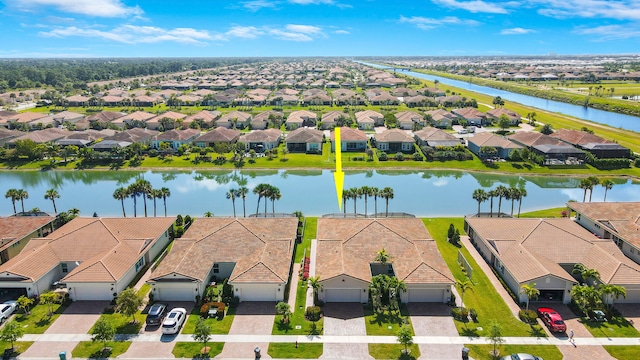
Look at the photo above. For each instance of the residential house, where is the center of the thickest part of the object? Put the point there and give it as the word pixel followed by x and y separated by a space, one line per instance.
pixel 346 252
pixel 57 119
pixel 419 100
pixel 254 254
pixel 332 119
pixel 262 120
pixel 93 258
pixel 494 116
pixel 301 118
pixel 599 147
pixel 368 119
pixel 471 116
pixel 166 121
pixel 306 140
pixel 383 98
pixel 41 136
pixel 219 135
pixel 84 138
pixel 407 120
pixel 395 140
pixel 13 121
pixel 16 231
pixel 78 100
pixel 100 119
pixel 433 137
pixel 175 138
pixel 136 119
pixel 134 135
pixel 234 120
pixel 544 252
pixel 261 140
pixel 350 139
pixel 204 119
pixel 109 145
pixel 503 145
pixel 552 149
pixel 441 118
pixel 8 135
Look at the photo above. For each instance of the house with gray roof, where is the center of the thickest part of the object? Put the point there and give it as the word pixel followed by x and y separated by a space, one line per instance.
pixel 305 140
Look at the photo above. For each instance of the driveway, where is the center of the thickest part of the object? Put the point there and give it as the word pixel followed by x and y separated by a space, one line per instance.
pixel 631 312
pixel 434 319
pixel 344 319
pixel 252 318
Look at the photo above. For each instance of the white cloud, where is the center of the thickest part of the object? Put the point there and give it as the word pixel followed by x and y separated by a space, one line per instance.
pixel 516 31
pixel 430 23
pixel 244 32
pixel 608 9
pixel 256 5
pixel 341 32
pixel 476 6
pixel 308 2
pixel 289 36
pixel 98 8
pixel 131 34
pixel 610 32
pixel 305 29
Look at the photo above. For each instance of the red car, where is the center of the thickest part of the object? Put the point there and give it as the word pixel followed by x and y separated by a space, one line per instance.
pixel 552 319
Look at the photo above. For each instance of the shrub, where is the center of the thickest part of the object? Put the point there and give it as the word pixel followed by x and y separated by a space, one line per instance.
pixel 398 156
pixel 528 316
pixel 383 156
pixel 474 314
pixel 460 313
pixel 204 309
pixel 313 313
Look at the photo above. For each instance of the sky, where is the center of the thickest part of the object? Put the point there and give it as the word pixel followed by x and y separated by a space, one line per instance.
pixel 256 28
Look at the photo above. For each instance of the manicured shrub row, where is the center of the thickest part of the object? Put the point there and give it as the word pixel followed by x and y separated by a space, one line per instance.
pixel 305 268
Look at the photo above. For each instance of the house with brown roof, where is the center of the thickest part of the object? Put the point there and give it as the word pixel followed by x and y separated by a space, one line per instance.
pixel 544 251
pixel 395 140
pixel 8 135
pixel 254 254
pixel 77 100
pixel 346 249
pixel 102 118
pixel 599 147
pixel 305 140
pixel 165 121
pixel 94 258
pixel 350 139
pixel 553 150
pixel 204 118
pixel 261 140
pixel 441 118
pixel 234 120
pixel 301 118
pixel 332 119
pixel 57 119
pixel 134 135
pixel 408 119
pixel 504 146
pixel 219 135
pixel 135 119
pixel 433 137
pixel 16 231
pixel 471 115
pixel 262 120
pixel 25 117
pixel 495 114
pixel 368 119
pixel 41 136
pixel 175 138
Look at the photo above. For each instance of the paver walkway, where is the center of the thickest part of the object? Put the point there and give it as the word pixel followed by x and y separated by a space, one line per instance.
pixel 293 286
pixel 251 320
pixel 344 319
pixel 431 319
pixel 312 272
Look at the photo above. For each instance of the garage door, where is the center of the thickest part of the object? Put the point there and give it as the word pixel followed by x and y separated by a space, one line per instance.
pixel 426 295
pixel 633 296
pixel 92 292
pixel 258 293
pixel 342 295
pixel 175 294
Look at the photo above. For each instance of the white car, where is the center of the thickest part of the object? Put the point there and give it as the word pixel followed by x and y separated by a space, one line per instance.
pixel 7 309
pixel 174 320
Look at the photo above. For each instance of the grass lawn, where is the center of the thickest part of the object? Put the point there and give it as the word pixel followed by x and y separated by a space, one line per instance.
pixel 384 323
pixel 39 321
pixel 616 327
pixel 218 326
pixel 393 351
pixel 194 350
pixel 297 319
pixel 18 346
pixel 123 324
pixel 482 296
pixel 547 352
pixel 624 352
pixel 310 230
pixel 290 351
pixel 545 213
pixel 92 350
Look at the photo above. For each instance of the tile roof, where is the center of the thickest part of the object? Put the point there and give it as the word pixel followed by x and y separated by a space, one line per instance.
pixel 219 134
pixel 133 135
pixel 261 249
pixel 176 135
pixel 300 116
pixel 43 136
pixel 531 138
pixel 14 228
pixel 490 139
pixel 367 116
pixel 239 115
pixel 305 135
pixel 349 134
pixel 268 135
pixel 406 116
pixel 621 218
pixel 576 137
pixel 431 133
pixel 348 247
pixel 394 135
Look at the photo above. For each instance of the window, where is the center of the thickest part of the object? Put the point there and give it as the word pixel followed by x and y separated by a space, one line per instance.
pixel 139 264
pixel 216 268
pixel 64 268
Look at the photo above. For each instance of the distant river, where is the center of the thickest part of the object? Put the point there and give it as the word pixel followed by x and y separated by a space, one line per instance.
pixel 422 193
pixel 622 121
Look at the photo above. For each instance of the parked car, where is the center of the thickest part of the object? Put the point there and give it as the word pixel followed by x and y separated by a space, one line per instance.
pixel 552 319
pixel 6 309
pixel 521 357
pixel 598 315
pixel 174 320
pixel 156 314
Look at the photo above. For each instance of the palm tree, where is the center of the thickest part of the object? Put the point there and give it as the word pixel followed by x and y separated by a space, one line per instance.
pixel 231 194
pixel 383 257
pixel 375 192
pixel 356 193
pixel 522 194
pixel 612 292
pixel 607 184
pixel 514 194
pixel 464 285
pixel 531 291
pixel 386 194
pixel 74 212
pixel 52 195
pixel 585 273
pixel 480 196
pixel 261 191
pixel 22 194
pixel 274 194
pixel 242 192
pixel 13 195
pixel 593 181
pixel 208 214
pixel 501 192
pixel 584 185
pixel 491 194
pixel 164 193
pixel 346 195
pixel 154 195
pixel 134 192
pixel 365 191
pixel 145 189
pixel 314 283
pixel 121 194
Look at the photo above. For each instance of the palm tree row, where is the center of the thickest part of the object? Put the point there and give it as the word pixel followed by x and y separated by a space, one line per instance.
pixel 21 195
pixel 268 192
pixel 233 194
pixel 366 192
pixel 590 182
pixel 501 192
pixel 142 188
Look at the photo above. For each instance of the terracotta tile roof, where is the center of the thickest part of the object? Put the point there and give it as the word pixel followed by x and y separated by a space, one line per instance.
pixel 576 137
pixel 205 115
pixel 264 116
pixel 43 136
pixel 349 134
pixel 367 116
pixel 219 134
pixel 138 115
pixel 621 218
pixel 300 116
pixel 394 135
pixel 305 135
pixel 239 115
pixel 14 228
pixel 530 138
pixel 490 139
pixel 176 135
pixel 332 116
pixel 496 113
pixel 261 249
pixel 431 133
pixel 407 116
pixel 25 117
pixel 104 116
pixel 348 247
pixel 105 247
pixel 268 135
pixel 469 113
pixel 167 115
pixel 440 114
pixel 133 135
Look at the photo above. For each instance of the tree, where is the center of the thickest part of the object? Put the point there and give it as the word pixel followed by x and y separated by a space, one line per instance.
pixel 383 257
pixel 585 273
pixel 495 336
pixel 164 193
pixel 366 192
pixel 11 332
pixel 202 333
pixel 386 194
pixel 463 285
pixel 22 194
pixel 284 152
pixel 314 283
pixel 103 331
pixel 522 194
pixel 261 190
pixel 491 194
pixel 488 152
pixel 356 193
pixel 501 192
pixel 284 309
pixel 593 181
pixel 504 122
pixel 242 192
pixel 405 338
pixel 274 194
pixel 25 303
pixel 48 298
pixel 514 194
pixel 208 214
pixel 584 185
pixel 154 195
pixel 530 290
pixel 480 196
pixel 546 129
pixel 129 302
pixel 497 101
pixel 612 292
pixel 375 192
pixel 607 184
pixel 121 194
pixel 52 195
pixel 13 195
pixel 231 194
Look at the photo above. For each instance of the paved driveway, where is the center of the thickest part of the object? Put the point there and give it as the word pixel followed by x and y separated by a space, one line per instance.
pixel 344 319
pixel 631 312
pixel 252 318
pixel 434 319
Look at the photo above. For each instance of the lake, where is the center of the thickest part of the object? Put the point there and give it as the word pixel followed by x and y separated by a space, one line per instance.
pixel 422 193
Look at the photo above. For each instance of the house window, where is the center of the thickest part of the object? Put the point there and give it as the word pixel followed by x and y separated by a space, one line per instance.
pixel 352 146
pixel 139 264
pixel 216 268
pixel 64 268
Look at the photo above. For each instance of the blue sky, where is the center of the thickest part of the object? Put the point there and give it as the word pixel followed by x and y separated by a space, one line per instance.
pixel 163 28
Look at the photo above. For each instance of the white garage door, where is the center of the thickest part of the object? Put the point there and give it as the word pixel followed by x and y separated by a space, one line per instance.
pixel 342 295
pixel 92 292
pixel 633 296
pixel 426 295
pixel 258 293
pixel 175 294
